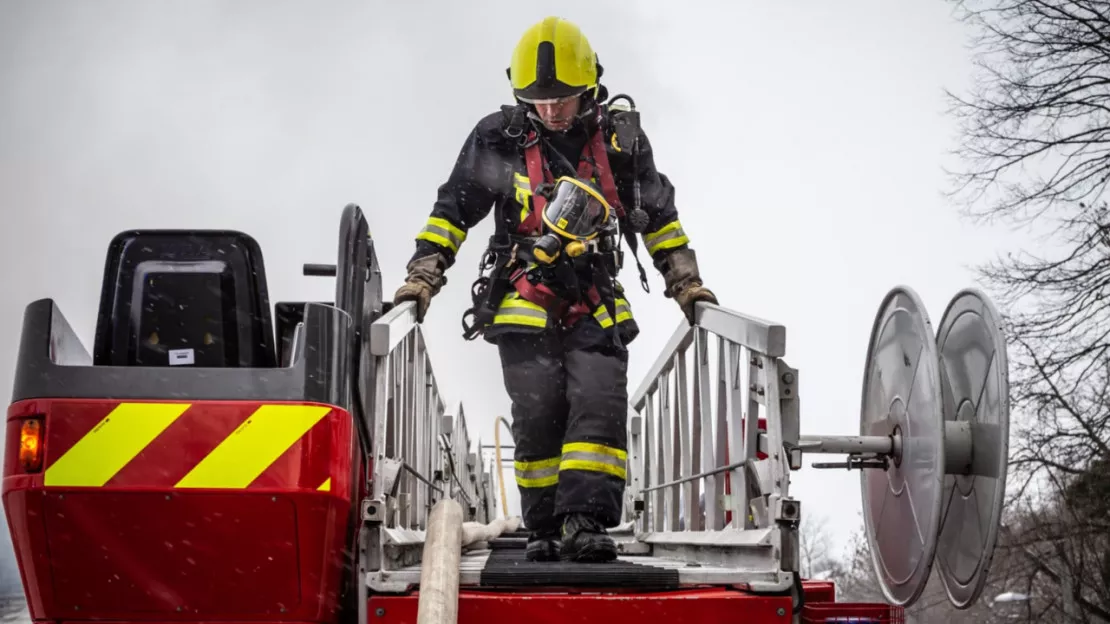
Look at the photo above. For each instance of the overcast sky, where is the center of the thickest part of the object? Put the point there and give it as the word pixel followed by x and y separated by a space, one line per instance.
pixel 805 139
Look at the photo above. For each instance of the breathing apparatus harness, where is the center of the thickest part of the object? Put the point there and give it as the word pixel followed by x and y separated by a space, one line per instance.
pixel 542 248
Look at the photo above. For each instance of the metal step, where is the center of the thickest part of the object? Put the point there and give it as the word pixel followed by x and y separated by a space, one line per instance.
pixel 472 564
pixel 662 562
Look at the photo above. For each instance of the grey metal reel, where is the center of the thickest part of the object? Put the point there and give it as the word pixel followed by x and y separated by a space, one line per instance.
pixel 902 400
pixel 975 386
pixel 934 421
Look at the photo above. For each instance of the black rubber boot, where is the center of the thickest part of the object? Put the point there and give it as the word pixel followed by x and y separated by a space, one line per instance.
pixel 585 540
pixel 543 546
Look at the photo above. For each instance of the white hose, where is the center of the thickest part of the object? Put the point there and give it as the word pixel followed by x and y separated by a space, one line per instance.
pixel 501 467
pixel 439 567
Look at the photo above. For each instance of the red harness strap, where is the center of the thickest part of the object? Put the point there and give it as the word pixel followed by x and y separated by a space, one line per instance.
pixel 593 159
pixel 538 294
pixel 580 309
pixel 605 173
pixel 543 296
pixel 537 174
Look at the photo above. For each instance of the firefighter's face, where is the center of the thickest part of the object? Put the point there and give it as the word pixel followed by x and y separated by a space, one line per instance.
pixel 558 114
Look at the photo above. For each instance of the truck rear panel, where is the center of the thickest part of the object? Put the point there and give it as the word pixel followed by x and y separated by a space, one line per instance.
pixel 179 510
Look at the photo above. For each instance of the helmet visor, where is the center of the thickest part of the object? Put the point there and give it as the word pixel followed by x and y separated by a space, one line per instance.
pixel 576 210
pixel 549 101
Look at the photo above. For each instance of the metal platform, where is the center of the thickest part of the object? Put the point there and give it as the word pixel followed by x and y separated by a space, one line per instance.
pixel 714 435
pixel 473 563
pixel 749 553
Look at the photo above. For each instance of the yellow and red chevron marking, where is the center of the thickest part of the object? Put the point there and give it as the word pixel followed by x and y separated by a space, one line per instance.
pixel 198 445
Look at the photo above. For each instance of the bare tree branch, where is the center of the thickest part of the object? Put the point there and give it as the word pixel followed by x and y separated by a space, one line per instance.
pixel 1036 151
pixel 1042 104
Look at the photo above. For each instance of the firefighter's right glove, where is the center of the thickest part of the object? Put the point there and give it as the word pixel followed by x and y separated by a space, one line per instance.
pixel 683 282
pixel 424 281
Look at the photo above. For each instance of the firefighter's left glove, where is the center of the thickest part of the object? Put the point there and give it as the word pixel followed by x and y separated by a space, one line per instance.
pixel 689 296
pixel 424 281
pixel 683 282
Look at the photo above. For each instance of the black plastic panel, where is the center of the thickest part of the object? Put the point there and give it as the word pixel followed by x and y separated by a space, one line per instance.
pixel 184 297
pixel 52 364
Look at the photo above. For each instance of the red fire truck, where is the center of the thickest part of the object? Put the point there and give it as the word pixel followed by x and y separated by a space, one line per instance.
pixel 216 459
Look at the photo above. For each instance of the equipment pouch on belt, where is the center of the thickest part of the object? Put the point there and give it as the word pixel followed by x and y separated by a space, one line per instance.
pixel 487 291
pixel 504 255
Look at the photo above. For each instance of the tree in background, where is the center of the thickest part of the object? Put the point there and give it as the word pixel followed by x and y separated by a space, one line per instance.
pixel 818 561
pixel 1036 147
pixel 857 581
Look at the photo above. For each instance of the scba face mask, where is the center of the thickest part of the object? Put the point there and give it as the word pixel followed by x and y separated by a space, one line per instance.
pixel 574 215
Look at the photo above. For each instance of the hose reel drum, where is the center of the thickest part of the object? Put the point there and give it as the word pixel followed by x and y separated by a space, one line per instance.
pixel 932 448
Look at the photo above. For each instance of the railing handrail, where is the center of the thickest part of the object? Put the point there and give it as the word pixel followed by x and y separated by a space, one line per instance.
pixel 694 425
pixel 391 328
pixel 757 334
pixel 449 443
pixel 421 452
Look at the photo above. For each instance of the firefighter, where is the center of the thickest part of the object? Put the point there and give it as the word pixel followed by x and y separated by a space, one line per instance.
pixel 563 350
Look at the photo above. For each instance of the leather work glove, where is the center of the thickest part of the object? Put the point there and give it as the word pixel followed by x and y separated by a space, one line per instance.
pixel 424 281
pixel 690 296
pixel 683 282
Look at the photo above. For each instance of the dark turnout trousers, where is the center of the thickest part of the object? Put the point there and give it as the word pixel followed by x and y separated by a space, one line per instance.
pixel 570 410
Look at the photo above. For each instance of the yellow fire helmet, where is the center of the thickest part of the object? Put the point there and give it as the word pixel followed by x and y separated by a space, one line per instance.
pixel 553 60
pixel 576 210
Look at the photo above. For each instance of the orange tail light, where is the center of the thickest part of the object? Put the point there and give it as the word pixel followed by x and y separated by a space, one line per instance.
pixel 30 445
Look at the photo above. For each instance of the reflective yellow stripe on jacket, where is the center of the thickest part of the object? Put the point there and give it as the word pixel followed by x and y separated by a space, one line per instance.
pixel 523 187
pixel 624 313
pixel 666 237
pixel 443 233
pixel 516 310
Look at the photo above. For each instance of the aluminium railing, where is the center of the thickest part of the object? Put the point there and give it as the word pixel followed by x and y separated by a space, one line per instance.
pixel 713 430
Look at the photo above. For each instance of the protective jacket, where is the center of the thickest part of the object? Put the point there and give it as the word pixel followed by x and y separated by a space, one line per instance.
pixel 492 172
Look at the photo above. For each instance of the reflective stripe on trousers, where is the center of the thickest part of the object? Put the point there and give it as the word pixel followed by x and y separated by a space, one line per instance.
pixel 576 456
pixel 569 423
pixel 537 474
pixel 595 458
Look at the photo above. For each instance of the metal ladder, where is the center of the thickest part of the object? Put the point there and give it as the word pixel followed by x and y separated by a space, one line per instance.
pixel 709 381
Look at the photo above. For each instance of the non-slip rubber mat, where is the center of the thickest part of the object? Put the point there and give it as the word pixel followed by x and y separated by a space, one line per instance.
pixel 520 533
pixel 507 567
